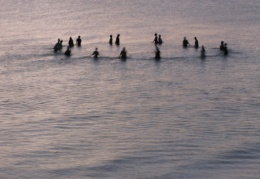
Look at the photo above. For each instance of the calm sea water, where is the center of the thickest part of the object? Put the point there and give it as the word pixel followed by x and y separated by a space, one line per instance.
pixel 180 117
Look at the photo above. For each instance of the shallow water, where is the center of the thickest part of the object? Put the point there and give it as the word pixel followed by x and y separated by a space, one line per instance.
pixel 180 117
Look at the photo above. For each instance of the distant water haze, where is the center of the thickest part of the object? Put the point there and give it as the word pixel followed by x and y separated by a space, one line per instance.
pixel 182 116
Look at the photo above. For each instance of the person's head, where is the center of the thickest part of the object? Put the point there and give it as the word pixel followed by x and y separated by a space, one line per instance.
pixel 111 36
pixel 225 44
pixel 96 48
pixel 79 37
pixel 195 38
pixel 118 35
pixel 222 42
pixel 155 34
pixel 159 35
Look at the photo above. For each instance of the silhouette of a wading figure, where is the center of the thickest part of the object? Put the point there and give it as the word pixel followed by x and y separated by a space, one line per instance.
pixel 95 54
pixel 221 48
pixel 111 40
pixel 71 43
pixel 78 41
pixel 160 41
pixel 67 52
pixel 225 49
pixel 196 42
pixel 202 52
pixel 123 54
pixel 155 41
pixel 185 42
pixel 58 46
pixel 117 39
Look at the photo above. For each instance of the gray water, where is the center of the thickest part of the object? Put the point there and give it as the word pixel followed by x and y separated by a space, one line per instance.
pixel 180 117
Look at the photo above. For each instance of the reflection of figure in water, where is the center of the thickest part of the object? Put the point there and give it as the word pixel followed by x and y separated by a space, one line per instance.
pixel 111 40
pixel 160 40
pixel 71 43
pixel 117 39
pixel 155 41
pixel 57 46
pixel 157 53
pixel 221 48
pixel 185 42
pixel 123 54
pixel 202 52
pixel 95 53
pixel 78 41
pixel 196 42
pixel 67 52
pixel 225 49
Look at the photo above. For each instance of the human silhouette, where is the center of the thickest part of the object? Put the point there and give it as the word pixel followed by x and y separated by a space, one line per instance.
pixel 111 40
pixel 196 42
pixel 155 41
pixel 117 39
pixel 221 48
pixel 71 43
pixel 225 49
pixel 95 54
pixel 78 41
pixel 202 52
pixel 160 40
pixel 185 42
pixel 67 52
pixel 157 53
pixel 57 46
pixel 123 54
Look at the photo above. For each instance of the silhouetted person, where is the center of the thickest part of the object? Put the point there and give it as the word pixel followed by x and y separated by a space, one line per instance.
pixel 123 54
pixel 160 40
pixel 67 52
pixel 221 48
pixel 78 41
pixel 71 43
pixel 57 46
pixel 111 40
pixel 117 39
pixel 155 41
pixel 157 54
pixel 196 42
pixel 185 42
pixel 225 49
pixel 202 52
pixel 95 53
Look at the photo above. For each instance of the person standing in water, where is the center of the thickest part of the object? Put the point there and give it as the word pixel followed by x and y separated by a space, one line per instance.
pixel 225 49
pixel 67 52
pixel 160 40
pixel 111 40
pixel 202 52
pixel 185 42
pixel 95 53
pixel 196 42
pixel 155 41
pixel 78 41
pixel 117 39
pixel 221 48
pixel 71 43
pixel 123 54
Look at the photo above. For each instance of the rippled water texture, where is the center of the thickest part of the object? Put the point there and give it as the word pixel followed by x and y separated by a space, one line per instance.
pixel 79 117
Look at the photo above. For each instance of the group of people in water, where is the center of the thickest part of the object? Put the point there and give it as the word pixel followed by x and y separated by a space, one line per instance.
pixel 123 54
